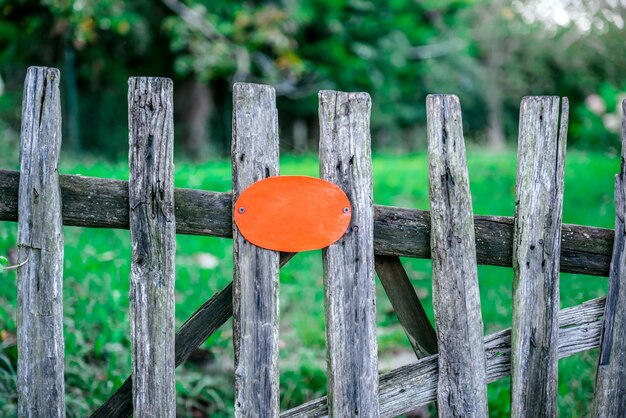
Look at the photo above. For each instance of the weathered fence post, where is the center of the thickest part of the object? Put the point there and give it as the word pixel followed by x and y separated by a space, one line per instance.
pixel 153 238
pixel 462 388
pixel 40 342
pixel 345 159
pixel 610 393
pixel 536 250
pixel 255 278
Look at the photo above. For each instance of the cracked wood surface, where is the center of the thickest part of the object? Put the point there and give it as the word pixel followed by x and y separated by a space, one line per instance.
pixel 153 240
pixel 255 269
pixel 350 292
pixel 536 249
pixel 462 387
pixel 40 344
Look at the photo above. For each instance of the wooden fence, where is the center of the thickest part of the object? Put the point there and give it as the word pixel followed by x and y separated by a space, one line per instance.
pixel 453 365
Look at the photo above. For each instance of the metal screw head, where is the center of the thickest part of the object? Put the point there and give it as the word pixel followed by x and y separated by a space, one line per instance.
pixel 346 210
pixel 242 209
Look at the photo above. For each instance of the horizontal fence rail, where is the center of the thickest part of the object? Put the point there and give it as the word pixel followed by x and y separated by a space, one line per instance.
pixel 103 203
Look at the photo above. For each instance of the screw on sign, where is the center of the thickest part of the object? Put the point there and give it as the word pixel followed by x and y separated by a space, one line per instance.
pixel 292 213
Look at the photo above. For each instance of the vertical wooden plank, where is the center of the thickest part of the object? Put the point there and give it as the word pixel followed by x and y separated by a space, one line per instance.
pixel 610 392
pixel 407 305
pixel 345 159
pixel 40 344
pixel 462 386
pixel 255 279
pixel 153 239
pixel 536 250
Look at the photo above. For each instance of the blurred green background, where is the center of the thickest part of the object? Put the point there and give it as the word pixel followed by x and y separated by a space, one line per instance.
pixel 489 53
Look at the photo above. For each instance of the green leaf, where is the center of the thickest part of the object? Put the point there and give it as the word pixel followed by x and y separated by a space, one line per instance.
pixel 3 263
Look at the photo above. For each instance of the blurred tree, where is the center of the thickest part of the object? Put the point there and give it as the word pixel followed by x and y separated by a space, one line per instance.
pixel 217 41
pixel 303 46
pixel 565 48
pixel 489 53
pixel 98 45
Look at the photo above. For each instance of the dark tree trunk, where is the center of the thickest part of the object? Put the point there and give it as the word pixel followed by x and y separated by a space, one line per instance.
pixel 194 106
pixel 72 104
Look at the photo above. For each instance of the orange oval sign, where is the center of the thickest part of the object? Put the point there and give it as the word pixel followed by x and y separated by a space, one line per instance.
pixel 292 213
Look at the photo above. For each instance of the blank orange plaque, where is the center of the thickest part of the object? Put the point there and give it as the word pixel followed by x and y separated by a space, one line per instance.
pixel 292 213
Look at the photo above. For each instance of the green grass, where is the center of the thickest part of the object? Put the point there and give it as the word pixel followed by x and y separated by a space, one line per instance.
pixel 96 288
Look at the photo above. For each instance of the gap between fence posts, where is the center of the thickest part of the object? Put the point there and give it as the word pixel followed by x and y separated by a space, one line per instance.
pixel 407 305
pixel 40 344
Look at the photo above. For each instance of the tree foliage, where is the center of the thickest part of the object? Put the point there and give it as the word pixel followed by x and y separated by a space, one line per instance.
pixel 489 53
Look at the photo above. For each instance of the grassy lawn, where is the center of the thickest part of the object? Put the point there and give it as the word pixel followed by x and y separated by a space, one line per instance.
pixel 97 271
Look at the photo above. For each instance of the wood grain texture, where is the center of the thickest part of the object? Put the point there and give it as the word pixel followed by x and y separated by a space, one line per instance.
pixel 536 246
pixel 103 203
pixel 255 278
pixel 414 385
pixel 40 344
pixel 456 298
pixel 610 393
pixel 192 334
pixel 350 292
pixel 153 240
pixel 407 305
